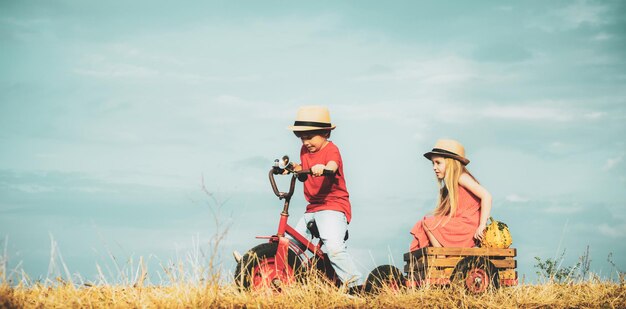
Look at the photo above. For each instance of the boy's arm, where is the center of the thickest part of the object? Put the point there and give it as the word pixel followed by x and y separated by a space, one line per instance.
pixel 318 169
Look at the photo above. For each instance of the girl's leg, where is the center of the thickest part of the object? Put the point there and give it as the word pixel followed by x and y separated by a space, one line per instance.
pixel 332 226
pixel 431 237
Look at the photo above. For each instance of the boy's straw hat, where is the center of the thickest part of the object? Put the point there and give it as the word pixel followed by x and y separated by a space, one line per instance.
pixel 312 118
pixel 448 148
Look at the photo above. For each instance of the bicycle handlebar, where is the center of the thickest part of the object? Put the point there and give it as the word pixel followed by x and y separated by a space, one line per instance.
pixel 300 175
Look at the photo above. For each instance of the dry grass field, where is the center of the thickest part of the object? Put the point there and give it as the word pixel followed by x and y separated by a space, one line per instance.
pixel 197 282
pixel 589 294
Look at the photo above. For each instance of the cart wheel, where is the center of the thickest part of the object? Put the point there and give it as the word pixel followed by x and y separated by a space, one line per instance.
pixel 384 275
pixel 476 274
pixel 257 269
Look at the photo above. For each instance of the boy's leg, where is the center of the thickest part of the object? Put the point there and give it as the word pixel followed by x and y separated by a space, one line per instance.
pixel 301 228
pixel 332 226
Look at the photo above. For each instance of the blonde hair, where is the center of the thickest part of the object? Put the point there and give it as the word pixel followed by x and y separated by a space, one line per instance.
pixel 448 200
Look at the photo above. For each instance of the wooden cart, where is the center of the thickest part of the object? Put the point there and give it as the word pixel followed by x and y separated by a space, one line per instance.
pixel 476 268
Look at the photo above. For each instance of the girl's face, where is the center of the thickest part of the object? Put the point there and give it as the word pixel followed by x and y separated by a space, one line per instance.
pixel 313 142
pixel 439 166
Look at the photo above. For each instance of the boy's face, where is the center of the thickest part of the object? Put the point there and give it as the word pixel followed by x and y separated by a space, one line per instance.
pixel 312 141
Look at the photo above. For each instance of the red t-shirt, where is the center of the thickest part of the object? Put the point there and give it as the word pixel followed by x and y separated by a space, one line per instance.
pixel 325 192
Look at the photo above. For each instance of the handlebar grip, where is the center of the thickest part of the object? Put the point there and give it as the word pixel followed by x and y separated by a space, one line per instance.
pixel 303 174
pixel 328 173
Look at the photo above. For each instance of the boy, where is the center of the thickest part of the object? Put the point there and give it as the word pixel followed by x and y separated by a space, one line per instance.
pixel 329 204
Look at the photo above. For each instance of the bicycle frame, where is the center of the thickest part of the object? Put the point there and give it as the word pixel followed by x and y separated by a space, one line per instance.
pixel 285 243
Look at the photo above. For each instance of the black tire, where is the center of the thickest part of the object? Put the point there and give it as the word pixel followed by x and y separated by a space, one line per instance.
pixel 476 274
pixel 262 256
pixel 384 275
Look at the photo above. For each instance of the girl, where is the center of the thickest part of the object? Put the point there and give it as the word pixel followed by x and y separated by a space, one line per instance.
pixel 463 205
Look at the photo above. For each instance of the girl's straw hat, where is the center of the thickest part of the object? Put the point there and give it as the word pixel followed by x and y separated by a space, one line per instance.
pixel 449 149
pixel 312 118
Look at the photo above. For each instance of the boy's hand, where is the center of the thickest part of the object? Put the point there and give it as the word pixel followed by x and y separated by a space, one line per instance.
pixel 294 167
pixel 318 169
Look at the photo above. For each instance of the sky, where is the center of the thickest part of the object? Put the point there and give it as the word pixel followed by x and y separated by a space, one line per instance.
pixel 142 129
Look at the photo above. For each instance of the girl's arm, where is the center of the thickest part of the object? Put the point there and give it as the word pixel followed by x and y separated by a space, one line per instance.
pixel 485 201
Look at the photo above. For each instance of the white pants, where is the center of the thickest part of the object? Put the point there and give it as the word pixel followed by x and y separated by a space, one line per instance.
pixel 332 226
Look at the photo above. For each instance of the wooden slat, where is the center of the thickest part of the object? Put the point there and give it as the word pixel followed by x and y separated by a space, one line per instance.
pixel 434 273
pixel 442 262
pixel 439 273
pixel 432 262
pixel 510 252
pixel 504 263
pixel 452 261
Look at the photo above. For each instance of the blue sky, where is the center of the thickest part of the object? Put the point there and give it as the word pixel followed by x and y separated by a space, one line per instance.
pixel 113 115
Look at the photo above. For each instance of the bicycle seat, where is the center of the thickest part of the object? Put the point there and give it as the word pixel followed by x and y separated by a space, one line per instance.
pixel 312 227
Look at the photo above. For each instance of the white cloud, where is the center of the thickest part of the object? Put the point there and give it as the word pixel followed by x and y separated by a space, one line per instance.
pixel 119 70
pixel 89 189
pixel 514 198
pixel 564 210
pixel 36 188
pixel 433 71
pixel 32 188
pixel 613 231
pixel 612 162
pixel 546 111
pixel 581 13
pixel 602 36
pixel 526 113
pixel 595 115
pixel 576 15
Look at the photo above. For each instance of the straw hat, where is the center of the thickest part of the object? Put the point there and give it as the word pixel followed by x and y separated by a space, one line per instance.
pixel 311 118
pixel 449 149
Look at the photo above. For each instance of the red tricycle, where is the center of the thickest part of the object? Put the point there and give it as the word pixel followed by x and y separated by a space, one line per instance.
pixel 280 261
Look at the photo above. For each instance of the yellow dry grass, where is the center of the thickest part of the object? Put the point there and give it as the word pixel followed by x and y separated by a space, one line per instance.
pixel 590 294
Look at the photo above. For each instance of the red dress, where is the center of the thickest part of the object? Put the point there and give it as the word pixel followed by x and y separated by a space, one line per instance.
pixel 456 231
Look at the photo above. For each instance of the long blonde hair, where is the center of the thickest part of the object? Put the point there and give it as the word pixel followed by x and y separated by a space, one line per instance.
pixel 448 200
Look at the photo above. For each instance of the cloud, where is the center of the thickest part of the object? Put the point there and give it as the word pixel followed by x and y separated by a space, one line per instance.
pixel 119 61
pixel 27 29
pixel 514 198
pixel 114 63
pixel 581 13
pixel 618 231
pixel 118 71
pixel 526 113
pixel 574 16
pixel 595 115
pixel 539 111
pixel 564 210
pixel 32 188
pixel 434 71
pixel 612 162
pixel 602 36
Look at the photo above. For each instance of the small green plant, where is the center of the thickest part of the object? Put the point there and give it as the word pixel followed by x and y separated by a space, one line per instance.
pixel 553 269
